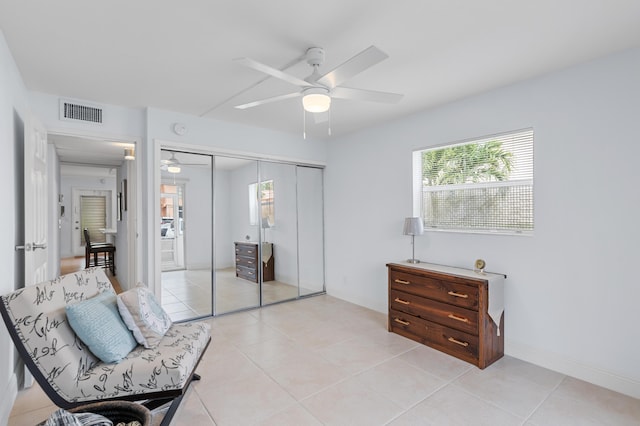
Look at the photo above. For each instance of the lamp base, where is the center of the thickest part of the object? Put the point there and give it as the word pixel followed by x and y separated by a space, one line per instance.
pixel 413 261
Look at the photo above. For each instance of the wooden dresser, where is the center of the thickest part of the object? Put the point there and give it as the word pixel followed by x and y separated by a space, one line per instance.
pixel 448 309
pixel 247 262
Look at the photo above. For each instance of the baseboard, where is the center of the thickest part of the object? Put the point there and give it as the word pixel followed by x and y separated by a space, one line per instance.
pixel 196 266
pixel 573 368
pixel 8 399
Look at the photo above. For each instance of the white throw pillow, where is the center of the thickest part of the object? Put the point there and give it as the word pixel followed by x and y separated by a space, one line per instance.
pixel 143 315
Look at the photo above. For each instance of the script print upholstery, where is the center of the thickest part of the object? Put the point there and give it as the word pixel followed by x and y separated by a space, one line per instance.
pixel 67 364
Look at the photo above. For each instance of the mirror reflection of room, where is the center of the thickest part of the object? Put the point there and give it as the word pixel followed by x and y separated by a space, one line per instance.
pixel 253 231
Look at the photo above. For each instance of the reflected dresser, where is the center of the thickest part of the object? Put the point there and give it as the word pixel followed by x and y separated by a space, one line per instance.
pixel 247 261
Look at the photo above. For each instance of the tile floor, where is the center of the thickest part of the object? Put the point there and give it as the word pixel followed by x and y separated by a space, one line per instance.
pixel 186 294
pixel 324 361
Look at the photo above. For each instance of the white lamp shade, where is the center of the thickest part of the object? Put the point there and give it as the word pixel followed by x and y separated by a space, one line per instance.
pixel 316 99
pixel 413 226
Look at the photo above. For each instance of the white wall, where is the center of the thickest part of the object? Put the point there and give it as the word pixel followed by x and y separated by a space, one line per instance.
pixel 55 221
pixel 119 123
pixel 224 250
pixel 13 100
pixel 572 289
pixel 197 215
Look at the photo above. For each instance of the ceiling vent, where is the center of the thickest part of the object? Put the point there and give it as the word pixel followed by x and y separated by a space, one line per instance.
pixel 75 111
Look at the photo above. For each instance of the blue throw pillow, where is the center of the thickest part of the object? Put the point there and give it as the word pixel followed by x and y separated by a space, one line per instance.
pixel 97 323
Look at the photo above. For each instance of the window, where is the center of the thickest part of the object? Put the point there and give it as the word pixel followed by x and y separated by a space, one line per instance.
pixel 265 198
pixel 484 185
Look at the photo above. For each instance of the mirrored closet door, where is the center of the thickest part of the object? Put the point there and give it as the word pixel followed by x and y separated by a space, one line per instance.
pixel 309 190
pixel 186 225
pixel 279 222
pixel 238 233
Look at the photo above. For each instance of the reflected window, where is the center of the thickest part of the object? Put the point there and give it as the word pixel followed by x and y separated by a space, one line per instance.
pixel 261 203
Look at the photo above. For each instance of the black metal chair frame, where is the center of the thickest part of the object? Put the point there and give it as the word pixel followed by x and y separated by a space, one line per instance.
pixel 108 250
pixel 150 400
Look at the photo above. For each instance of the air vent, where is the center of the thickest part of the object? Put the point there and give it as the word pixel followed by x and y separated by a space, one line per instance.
pixel 74 111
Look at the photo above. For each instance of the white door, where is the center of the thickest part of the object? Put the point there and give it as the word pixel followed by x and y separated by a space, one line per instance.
pixel 35 209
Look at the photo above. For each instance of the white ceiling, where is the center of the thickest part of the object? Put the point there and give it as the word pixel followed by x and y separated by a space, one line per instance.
pixel 178 55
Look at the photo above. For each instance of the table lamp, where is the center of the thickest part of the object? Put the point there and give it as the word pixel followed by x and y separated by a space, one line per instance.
pixel 413 226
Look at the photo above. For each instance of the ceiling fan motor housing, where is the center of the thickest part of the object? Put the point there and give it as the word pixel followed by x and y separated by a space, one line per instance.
pixel 315 56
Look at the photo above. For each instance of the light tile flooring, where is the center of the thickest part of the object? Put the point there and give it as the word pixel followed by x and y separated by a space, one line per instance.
pixel 324 361
pixel 187 293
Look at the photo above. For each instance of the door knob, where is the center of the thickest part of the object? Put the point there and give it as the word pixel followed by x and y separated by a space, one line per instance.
pixel 39 246
pixel 26 247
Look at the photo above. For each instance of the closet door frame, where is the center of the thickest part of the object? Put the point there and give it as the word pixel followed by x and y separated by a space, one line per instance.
pixel 153 199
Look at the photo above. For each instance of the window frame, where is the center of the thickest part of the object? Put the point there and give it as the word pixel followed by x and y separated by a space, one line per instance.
pixel 418 186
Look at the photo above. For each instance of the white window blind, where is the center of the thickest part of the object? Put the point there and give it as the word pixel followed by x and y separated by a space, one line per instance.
pixel 483 185
pixel 93 216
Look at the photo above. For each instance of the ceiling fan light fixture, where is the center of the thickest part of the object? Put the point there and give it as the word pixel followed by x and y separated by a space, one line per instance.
pixel 173 169
pixel 316 99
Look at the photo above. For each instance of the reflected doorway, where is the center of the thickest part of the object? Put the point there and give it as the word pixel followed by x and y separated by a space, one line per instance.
pixel 172 226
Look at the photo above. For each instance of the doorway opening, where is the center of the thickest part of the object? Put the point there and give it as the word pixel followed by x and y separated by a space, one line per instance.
pixel 95 188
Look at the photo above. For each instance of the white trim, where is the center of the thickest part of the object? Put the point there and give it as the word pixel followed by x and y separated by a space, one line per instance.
pixel 573 368
pixel 95 135
pixel 208 150
pixel 8 399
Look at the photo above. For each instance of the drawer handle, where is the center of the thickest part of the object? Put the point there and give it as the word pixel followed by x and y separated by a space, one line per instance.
pixel 249 251
pixel 249 262
pixel 404 302
pixel 458 342
pixel 399 321
pixel 457 318
pixel 453 293
pixel 402 282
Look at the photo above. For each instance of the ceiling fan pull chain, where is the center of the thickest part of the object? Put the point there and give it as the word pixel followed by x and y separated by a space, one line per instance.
pixel 329 130
pixel 304 125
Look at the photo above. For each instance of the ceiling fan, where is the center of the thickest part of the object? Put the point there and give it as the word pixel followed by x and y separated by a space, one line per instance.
pixel 317 90
pixel 173 165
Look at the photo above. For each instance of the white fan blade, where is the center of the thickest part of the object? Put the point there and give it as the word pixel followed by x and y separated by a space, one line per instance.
pixel 268 100
pixel 365 95
pixel 363 60
pixel 247 62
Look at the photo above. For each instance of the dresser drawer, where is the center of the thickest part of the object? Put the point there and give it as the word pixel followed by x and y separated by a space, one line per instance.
pixel 247 250
pixel 458 294
pixel 249 262
pixel 432 310
pixel 247 273
pixel 454 342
